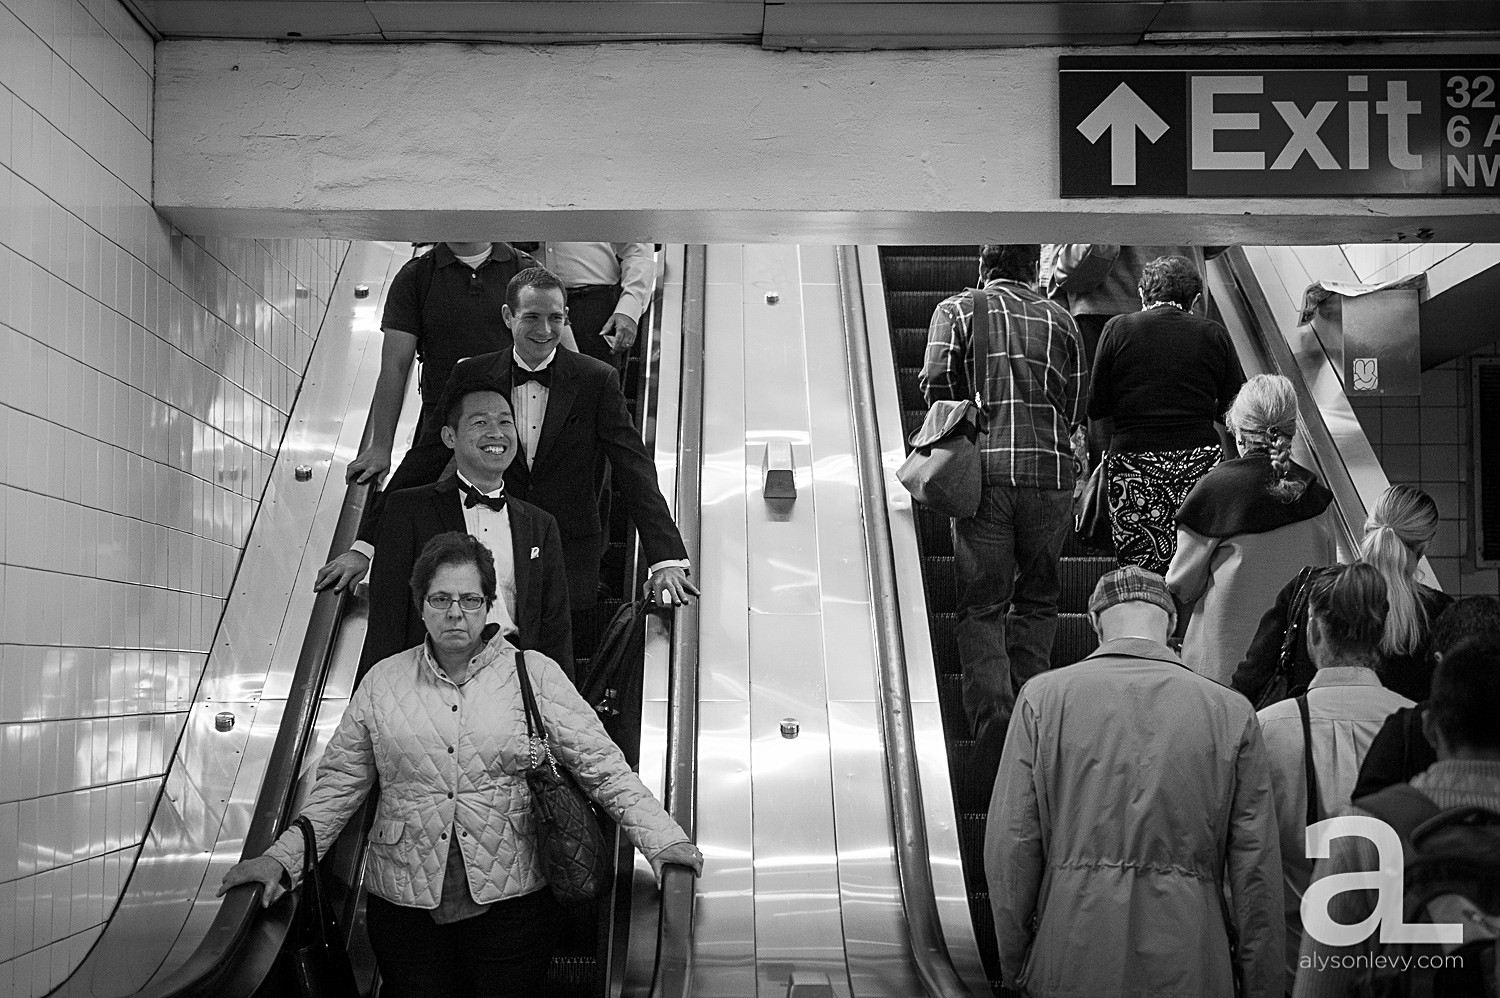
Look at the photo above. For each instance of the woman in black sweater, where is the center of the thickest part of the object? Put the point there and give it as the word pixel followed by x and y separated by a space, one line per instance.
pixel 1163 377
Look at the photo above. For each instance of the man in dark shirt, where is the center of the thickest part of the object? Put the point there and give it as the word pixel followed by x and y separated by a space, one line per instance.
pixel 441 307
pixel 1006 555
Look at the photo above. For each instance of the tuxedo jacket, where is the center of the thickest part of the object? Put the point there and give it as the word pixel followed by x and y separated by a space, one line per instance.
pixel 411 518
pixel 586 421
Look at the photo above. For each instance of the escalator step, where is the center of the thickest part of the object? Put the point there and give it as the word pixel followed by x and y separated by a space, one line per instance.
pixel 951 703
pixel 910 345
pixel 1079 577
pixel 910 420
pixel 571 977
pixel 1075 639
pixel 888 253
pixel 912 308
pixel 971 798
pixel 934 532
pixel 942 592
pixel 971 826
pixel 947 272
pixel 907 387
pixel 944 643
pixel 984 928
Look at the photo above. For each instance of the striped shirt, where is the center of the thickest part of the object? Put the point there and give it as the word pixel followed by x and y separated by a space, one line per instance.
pixel 1037 387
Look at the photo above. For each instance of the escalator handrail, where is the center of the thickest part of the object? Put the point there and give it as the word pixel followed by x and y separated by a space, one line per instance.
pixel 1265 331
pixel 930 954
pixel 672 975
pixel 242 931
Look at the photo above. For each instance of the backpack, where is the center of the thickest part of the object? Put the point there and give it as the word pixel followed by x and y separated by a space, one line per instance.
pixel 613 684
pixel 1452 875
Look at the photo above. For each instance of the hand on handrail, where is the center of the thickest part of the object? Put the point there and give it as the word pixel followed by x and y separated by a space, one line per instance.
pixel 683 854
pixel 670 586
pixel 261 870
pixel 343 572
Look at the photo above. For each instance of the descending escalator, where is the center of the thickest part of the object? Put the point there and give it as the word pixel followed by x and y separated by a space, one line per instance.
pixel 916 279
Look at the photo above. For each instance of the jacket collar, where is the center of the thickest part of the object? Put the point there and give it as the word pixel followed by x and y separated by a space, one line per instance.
pixel 1137 648
pixel 1344 675
pixel 487 655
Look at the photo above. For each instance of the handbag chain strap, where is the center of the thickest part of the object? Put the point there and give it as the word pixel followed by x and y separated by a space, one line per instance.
pixel 536 731
pixel 981 344
pixel 1297 609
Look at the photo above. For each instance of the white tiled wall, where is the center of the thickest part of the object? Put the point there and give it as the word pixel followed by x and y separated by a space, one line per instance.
pixel 145 380
pixel 1425 442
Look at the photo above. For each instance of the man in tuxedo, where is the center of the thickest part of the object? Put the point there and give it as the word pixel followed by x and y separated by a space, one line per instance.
pixel 532 608
pixel 570 416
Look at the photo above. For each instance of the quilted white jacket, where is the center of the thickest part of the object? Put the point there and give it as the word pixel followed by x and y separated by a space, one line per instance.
pixel 452 757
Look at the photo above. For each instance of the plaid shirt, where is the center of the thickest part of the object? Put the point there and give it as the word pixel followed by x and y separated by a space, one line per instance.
pixel 1038 385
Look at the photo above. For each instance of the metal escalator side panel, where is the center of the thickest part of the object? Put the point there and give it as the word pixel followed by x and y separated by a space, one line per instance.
pixel 915 796
pixel 939 808
pixel 214 790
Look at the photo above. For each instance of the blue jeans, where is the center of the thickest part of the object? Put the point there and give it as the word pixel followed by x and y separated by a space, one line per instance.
pixel 1005 561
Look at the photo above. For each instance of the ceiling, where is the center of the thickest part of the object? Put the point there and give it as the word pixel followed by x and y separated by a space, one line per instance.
pixel 824 24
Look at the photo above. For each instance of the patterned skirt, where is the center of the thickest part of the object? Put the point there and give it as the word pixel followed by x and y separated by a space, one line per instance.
pixel 1146 489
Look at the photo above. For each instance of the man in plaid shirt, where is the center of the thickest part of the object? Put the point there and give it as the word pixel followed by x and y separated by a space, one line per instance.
pixel 1006 555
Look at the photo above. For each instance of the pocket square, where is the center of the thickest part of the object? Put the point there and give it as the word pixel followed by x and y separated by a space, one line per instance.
pixel 536 552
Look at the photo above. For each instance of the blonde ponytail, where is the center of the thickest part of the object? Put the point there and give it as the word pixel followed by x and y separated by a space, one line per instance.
pixel 1398 530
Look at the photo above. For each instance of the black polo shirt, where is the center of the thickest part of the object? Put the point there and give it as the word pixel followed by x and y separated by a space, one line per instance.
pixel 453 311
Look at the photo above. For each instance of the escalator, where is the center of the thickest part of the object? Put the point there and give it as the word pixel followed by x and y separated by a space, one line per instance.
pixel 228 948
pixel 916 279
pixel 1267 340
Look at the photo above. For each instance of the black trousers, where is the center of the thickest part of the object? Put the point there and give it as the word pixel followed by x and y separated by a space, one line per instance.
pixel 589 308
pixel 503 953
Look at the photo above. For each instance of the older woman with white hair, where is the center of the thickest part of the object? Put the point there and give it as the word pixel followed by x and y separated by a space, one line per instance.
pixel 1247 526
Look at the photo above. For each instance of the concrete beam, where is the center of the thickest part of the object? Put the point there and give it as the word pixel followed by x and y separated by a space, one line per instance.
pixel 691 143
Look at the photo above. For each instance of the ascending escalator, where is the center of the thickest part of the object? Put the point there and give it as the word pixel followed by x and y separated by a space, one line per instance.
pixel 916 279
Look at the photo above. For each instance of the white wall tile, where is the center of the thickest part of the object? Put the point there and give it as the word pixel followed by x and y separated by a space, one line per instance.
pixel 126 346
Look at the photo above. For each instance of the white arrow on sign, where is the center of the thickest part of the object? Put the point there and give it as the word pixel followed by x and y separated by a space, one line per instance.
pixel 1121 114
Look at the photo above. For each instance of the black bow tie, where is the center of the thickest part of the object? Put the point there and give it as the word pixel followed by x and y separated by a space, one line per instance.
pixel 473 497
pixel 542 377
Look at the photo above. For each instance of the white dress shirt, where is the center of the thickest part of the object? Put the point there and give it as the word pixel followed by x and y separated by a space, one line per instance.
pixel 528 403
pixel 630 265
pixel 493 530
pixel 1346 706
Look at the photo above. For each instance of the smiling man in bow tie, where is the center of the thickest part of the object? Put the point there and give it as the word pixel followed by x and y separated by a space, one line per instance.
pixel 532 608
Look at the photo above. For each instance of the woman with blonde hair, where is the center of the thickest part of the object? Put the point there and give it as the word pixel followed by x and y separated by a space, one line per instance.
pixel 1397 532
pixel 1244 528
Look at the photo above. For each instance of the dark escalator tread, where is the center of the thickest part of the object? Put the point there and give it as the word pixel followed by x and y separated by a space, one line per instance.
pixel 971 798
pixel 1079 577
pixel 942 589
pixel 910 420
pixel 949 272
pixel 934 532
pixel 907 386
pixel 951 704
pixel 1075 639
pixel 912 308
pixel 910 346
pixel 984 925
pixel 944 642
pixel 889 252
pixel 572 977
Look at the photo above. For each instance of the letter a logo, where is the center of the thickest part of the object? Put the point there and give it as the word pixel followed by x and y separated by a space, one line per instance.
pixel 1386 882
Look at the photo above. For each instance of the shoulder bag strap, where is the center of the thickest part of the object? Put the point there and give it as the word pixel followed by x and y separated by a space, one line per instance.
pixel 535 729
pixel 1314 801
pixel 1296 615
pixel 980 344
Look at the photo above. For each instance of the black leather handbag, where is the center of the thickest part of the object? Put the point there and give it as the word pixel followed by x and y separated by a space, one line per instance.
pixel 575 857
pixel 315 955
pixel 1091 510
pixel 1279 686
pixel 945 469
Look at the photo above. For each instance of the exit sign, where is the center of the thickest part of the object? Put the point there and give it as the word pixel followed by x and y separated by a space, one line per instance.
pixel 1240 126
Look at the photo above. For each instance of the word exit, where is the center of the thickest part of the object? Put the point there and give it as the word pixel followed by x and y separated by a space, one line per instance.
pixel 1241 127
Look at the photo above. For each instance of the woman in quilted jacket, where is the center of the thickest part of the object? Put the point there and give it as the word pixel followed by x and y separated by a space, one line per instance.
pixel 443 727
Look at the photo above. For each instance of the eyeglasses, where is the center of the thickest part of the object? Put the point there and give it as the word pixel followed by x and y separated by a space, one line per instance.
pixel 468 602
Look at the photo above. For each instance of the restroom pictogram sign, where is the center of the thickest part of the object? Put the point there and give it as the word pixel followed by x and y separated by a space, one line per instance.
pixel 1279 127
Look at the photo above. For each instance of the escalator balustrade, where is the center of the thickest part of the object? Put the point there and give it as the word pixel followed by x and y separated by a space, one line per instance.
pixel 916 279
